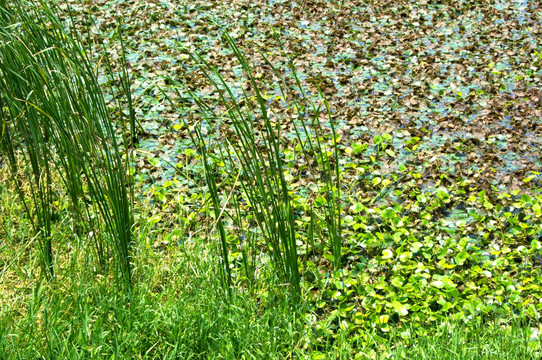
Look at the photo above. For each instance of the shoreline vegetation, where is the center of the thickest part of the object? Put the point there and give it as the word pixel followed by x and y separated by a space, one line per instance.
pixel 234 200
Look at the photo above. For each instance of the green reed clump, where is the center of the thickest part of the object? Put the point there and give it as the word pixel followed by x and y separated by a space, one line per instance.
pixel 321 157
pixel 252 146
pixel 57 134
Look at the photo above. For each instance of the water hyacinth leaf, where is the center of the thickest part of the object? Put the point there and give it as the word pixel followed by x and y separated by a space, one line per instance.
pixel 399 308
pixel 461 258
pixel 387 254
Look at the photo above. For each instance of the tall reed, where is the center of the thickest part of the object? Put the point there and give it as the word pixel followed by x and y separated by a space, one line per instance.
pixel 57 134
pixel 253 146
pixel 314 149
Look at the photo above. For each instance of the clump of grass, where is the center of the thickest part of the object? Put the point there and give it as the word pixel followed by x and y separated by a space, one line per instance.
pixel 324 155
pixel 57 133
pixel 508 338
pixel 253 147
pixel 178 308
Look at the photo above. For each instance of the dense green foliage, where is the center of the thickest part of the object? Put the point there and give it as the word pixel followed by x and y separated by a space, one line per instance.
pixel 276 230
pixel 57 134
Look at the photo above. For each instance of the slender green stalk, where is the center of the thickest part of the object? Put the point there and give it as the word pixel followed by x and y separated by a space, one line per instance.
pixel 210 179
pixel 125 84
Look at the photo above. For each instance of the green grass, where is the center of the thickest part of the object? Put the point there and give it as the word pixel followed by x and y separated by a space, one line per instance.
pixel 506 340
pixel 180 309
pixel 57 135
pixel 267 254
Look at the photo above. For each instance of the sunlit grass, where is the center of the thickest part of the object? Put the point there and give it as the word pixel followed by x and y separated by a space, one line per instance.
pixel 74 217
pixel 57 135
pixel 179 309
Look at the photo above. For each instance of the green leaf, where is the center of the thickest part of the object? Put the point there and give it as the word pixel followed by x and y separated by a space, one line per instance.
pixel 359 148
pixel 390 152
pixel 526 198
pixel 398 281
pixel 388 213
pixel 400 308
pixel 387 254
pixel 357 207
pixel 461 258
